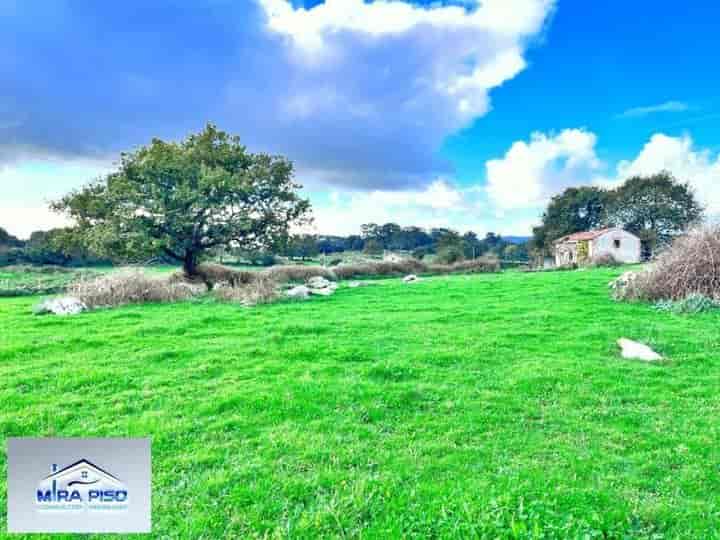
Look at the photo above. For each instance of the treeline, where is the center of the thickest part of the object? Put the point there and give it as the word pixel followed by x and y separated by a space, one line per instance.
pixel 446 244
pixel 45 247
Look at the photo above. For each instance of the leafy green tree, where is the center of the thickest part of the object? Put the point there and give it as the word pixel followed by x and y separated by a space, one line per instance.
pixel 8 241
pixel 302 246
pixel 574 210
pixel 185 198
pixel 373 247
pixel 656 208
pixel 354 242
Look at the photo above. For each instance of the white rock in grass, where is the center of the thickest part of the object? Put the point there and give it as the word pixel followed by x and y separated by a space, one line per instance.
pixel 632 350
pixel 318 282
pixel 412 278
pixel 301 292
pixel 327 291
pixel 66 305
pixel 354 284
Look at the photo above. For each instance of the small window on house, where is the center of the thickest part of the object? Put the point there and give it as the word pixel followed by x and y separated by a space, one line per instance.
pixel 616 243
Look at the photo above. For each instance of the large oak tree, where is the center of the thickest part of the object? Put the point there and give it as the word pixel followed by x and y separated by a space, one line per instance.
pixel 185 198
pixel 657 208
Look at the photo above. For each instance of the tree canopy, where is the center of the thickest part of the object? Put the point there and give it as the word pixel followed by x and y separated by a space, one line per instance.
pixel 656 208
pixel 182 199
pixel 574 210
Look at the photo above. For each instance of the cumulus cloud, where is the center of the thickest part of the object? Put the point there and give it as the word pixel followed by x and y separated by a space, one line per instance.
pixel 668 106
pixel 531 172
pixel 358 94
pixel 679 155
pixel 20 221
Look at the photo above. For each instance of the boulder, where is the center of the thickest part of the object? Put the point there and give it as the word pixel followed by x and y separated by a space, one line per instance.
pixel 354 284
pixel 632 350
pixel 412 278
pixel 319 282
pixel 301 292
pixel 66 305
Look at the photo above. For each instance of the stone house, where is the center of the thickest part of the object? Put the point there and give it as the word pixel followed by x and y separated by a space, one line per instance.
pixel 579 247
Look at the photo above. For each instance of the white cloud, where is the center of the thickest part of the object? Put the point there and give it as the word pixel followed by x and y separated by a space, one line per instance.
pixel 679 156
pixel 373 88
pixel 531 172
pixel 21 221
pixel 439 205
pixel 668 106
pixel 26 187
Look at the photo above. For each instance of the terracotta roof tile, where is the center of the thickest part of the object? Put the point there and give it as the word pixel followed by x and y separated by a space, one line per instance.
pixel 587 235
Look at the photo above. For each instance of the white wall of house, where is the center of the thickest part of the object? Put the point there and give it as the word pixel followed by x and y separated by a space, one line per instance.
pixel 622 245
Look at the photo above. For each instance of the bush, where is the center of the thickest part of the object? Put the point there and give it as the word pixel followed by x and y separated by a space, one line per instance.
pixel 450 255
pixel 285 273
pixel 132 288
pixel 212 274
pixel 380 268
pixel 421 252
pixel 694 303
pixel 262 290
pixel 691 266
pixel 413 266
pixel 604 260
pixel 485 264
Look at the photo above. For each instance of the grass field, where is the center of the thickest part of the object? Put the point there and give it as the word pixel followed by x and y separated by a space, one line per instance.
pixel 460 406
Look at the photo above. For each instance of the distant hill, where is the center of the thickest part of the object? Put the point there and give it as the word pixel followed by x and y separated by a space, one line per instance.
pixel 517 239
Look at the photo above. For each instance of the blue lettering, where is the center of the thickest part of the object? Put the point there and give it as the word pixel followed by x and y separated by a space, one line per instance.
pixel 75 496
pixel 121 496
pixel 45 496
pixel 62 495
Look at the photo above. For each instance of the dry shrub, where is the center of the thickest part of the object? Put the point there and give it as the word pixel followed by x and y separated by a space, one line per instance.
pixel 353 270
pixel 481 265
pixel 413 266
pixel 262 290
pixel 132 287
pixel 212 274
pixel 380 268
pixel 285 273
pixel 691 266
pixel 604 260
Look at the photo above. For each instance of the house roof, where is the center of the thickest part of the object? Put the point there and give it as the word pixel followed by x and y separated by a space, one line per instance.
pixel 83 462
pixel 586 235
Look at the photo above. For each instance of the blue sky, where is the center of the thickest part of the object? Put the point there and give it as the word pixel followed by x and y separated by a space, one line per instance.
pixel 469 115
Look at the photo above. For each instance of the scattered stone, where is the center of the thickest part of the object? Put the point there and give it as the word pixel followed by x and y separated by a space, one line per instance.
pixel 412 278
pixel 319 282
pixel 354 284
pixel 327 291
pixel 66 305
pixel 301 292
pixel 632 350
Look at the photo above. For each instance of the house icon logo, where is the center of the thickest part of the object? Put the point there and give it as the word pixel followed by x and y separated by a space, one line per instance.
pixel 81 486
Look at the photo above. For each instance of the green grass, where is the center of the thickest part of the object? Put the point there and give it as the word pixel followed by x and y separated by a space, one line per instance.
pixel 457 407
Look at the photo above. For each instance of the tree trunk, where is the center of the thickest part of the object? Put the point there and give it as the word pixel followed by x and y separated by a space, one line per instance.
pixel 190 263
